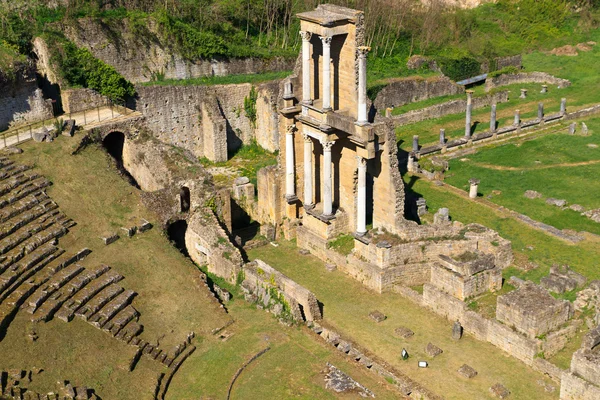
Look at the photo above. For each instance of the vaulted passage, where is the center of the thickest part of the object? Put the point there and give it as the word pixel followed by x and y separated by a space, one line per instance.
pixel 114 143
pixel 176 232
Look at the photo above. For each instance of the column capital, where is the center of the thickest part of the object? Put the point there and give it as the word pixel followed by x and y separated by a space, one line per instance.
pixel 290 129
pixel 363 51
pixel 361 161
pixel 305 35
pixel 326 40
pixel 307 138
pixel 327 145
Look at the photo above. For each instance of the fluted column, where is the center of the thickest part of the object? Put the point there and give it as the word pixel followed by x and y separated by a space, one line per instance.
pixel 361 197
pixel 327 184
pixel 326 71
pixel 306 98
pixel 362 85
pixel 308 172
pixel 290 190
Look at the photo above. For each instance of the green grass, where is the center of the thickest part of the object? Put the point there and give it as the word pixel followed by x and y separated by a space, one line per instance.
pixel 221 80
pixel 343 244
pixel 347 304
pixel 529 245
pixel 536 165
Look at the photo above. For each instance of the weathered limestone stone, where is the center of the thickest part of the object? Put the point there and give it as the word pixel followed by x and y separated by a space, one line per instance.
pixel 303 252
pixel 473 188
pixel 467 371
pixel 540 114
pixel 377 316
pixel 415 144
pixel 43 135
pixel 144 226
pixel 572 128
pixel 457 331
pixel 109 238
pixel 421 206
pixel 442 136
pixel 242 180
pixel 493 118
pixel 563 107
pixel 577 208
pixel 517 120
pixel 468 115
pixel 388 112
pixel 330 267
pixel 339 382
pixel 584 129
pixel 532 194
pixel 442 216
pixel 432 350
pixel 556 202
pixel 404 332
pixel 69 128
pixel 129 232
pixel 523 94
pixel 594 215
pixel 12 150
pixel 498 389
pixel 544 89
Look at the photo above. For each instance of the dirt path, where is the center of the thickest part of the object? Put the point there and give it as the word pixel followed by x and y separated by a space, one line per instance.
pixel 504 168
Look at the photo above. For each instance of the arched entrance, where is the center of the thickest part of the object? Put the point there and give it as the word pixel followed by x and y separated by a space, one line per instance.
pixel 176 232
pixel 114 143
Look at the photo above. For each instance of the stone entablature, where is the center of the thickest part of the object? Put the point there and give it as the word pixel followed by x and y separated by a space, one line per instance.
pixel 532 311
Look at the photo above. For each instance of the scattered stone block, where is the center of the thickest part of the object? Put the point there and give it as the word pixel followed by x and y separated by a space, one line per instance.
pixel 432 350
pixel 556 202
pixel 12 150
pixel 330 267
pixel 129 232
pixel 242 180
pixel 532 194
pixel 109 238
pixel 592 145
pixel 144 226
pixel 457 331
pixel 403 332
pixel 499 391
pixel 344 346
pixel 442 216
pixel 594 215
pixel 339 382
pixel 69 128
pixel 572 128
pixel 304 252
pixel 584 129
pixel 377 316
pixel 467 371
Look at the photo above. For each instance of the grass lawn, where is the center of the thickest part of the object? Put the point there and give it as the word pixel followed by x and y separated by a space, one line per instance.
pixel 556 165
pixel 347 304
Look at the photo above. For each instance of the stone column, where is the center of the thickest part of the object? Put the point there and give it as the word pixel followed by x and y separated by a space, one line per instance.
pixel 410 163
pixel 443 137
pixel 523 94
pixel 473 189
pixel 517 118
pixel 493 119
pixel 563 106
pixel 361 197
pixel 327 184
pixel 290 190
pixel 544 89
pixel 362 85
pixel 326 72
pixel 306 98
pixel 541 111
pixel 415 146
pixel 308 172
pixel 469 110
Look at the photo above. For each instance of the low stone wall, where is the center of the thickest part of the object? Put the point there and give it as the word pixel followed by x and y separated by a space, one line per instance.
pixel 260 274
pixel 525 77
pixel 510 61
pixel 573 387
pixel 447 108
pixel 409 90
pixel 76 100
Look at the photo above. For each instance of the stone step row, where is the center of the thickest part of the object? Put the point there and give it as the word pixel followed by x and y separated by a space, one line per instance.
pixel 12 275
pixel 106 313
pixel 57 281
pixel 12 170
pixel 17 241
pixel 53 303
pixel 26 203
pixel 82 297
pixel 15 181
pixel 32 187
pixel 166 380
pixel 88 310
pixel 10 227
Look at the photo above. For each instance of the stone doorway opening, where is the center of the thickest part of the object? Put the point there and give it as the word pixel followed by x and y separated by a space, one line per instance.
pixel 114 143
pixel 184 199
pixel 176 233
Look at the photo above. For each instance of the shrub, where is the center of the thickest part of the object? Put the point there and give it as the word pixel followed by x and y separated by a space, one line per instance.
pixel 250 106
pixel 460 68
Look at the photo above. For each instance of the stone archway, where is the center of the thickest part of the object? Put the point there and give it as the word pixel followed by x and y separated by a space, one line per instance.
pixel 114 143
pixel 176 233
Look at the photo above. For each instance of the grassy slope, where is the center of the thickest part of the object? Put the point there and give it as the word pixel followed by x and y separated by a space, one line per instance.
pixel 347 304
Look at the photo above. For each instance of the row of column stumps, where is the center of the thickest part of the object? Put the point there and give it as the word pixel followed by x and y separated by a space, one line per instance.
pixel 362 51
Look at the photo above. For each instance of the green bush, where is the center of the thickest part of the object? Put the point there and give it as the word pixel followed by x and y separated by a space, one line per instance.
pixel 250 106
pixel 458 69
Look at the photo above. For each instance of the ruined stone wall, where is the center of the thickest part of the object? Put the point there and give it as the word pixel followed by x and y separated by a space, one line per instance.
pixel 21 102
pixel 270 195
pixel 75 100
pixel 449 107
pixel 463 287
pixel 213 139
pixel 525 77
pixel 267 117
pixel 145 161
pixel 573 387
pixel 143 57
pixel 174 114
pixel 410 90
pixel 510 61
pixel 481 328
pixel 208 244
pixel 261 273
